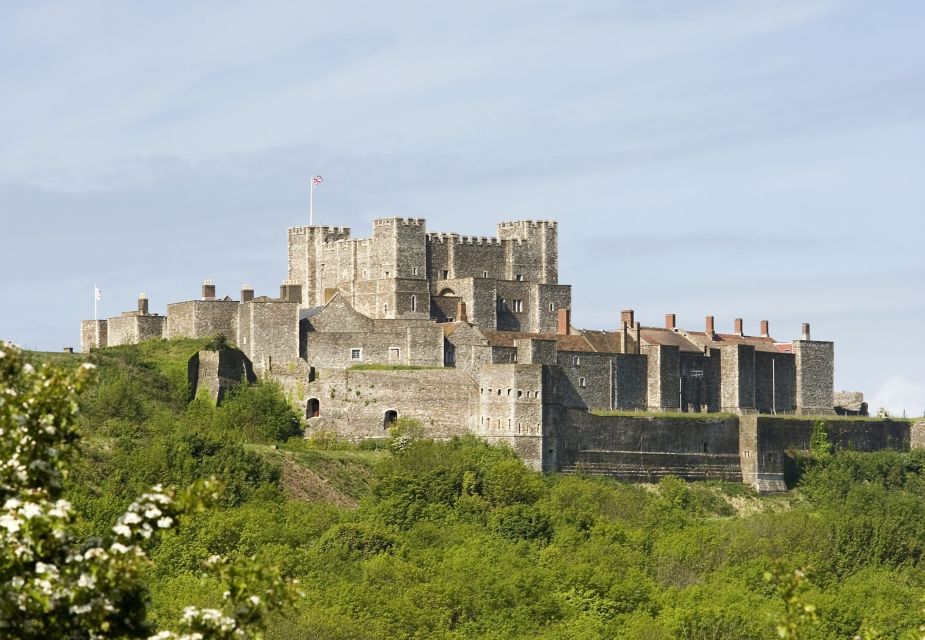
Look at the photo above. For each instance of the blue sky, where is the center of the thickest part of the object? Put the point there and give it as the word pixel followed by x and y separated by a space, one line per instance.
pixel 743 158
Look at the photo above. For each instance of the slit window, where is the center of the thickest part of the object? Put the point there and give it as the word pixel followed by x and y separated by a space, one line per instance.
pixel 582 382
pixel 518 306
pixel 414 303
pixel 576 361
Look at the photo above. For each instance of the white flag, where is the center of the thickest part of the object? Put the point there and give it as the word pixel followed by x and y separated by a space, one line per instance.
pixel 99 294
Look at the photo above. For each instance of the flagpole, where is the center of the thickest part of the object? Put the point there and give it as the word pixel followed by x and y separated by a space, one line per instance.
pixel 311 202
pixel 94 301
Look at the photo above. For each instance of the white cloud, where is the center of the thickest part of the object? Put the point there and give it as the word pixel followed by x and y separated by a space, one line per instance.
pixel 898 394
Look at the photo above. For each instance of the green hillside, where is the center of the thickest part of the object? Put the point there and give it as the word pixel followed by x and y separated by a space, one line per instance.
pixel 419 539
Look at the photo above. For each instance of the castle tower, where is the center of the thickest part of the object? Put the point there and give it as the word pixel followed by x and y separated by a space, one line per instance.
pixel 815 375
pixel 531 250
pixel 306 261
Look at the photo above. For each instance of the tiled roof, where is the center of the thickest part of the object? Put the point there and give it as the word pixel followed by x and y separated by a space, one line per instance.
pixel 760 343
pixel 573 342
pixel 654 335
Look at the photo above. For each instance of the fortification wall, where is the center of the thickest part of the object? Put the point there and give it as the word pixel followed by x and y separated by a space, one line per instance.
pixel 269 334
pixel 629 380
pixel 511 398
pixel 646 449
pixel 214 373
pixel 93 334
pixel 547 300
pixel 132 329
pixel 355 402
pixel 419 346
pixel 584 380
pixel 774 382
pixel 663 377
pixel 815 376
pixel 767 439
pixel 203 318
pixel 737 378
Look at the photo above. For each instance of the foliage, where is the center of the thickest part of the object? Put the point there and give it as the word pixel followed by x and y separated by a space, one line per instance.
pixel 51 584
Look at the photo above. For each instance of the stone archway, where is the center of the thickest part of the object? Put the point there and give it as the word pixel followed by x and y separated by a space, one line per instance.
pixel 313 408
pixel 390 417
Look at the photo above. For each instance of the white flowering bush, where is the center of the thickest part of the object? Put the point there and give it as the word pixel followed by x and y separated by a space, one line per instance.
pixel 53 587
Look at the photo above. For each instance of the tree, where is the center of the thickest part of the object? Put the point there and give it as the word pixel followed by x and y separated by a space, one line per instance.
pixel 53 586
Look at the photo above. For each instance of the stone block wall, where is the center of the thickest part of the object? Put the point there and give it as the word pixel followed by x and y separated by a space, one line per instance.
pixel 629 381
pixel 510 401
pixel 663 377
pixel 132 329
pixel 202 319
pixel 269 334
pixel 633 448
pixel 214 373
pixel 814 364
pixel 774 382
pixel 355 403
pixel 766 441
pixel 584 380
pixel 737 378
pixel 93 334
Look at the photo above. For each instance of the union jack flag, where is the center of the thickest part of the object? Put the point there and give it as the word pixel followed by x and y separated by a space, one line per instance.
pixel 317 180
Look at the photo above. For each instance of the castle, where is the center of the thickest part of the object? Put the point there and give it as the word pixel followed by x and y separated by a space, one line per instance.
pixel 474 334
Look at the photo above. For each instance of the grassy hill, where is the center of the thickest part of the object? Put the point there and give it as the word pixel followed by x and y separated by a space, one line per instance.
pixel 460 540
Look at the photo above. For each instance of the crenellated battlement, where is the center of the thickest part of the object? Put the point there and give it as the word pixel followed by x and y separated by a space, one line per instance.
pixel 392 222
pixel 455 238
pixel 310 230
pixel 521 224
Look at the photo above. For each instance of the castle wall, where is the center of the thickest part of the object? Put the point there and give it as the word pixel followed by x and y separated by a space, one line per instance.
pixel 131 329
pixel 814 364
pixel 774 382
pixel 354 403
pixel 214 373
pixel 203 318
pixel 418 345
pixel 640 448
pixel 269 334
pixel 584 380
pixel 767 439
pixel 737 378
pixel 629 381
pixel 712 380
pixel 547 300
pixel 511 401
pixel 531 250
pixel 93 334
pixel 663 379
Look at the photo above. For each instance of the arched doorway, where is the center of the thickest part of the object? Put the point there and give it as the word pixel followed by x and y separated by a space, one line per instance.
pixel 313 408
pixel 390 417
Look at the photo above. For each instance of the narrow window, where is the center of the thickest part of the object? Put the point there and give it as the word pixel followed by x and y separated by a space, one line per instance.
pixel 576 361
pixel 414 271
pixel 514 357
pixel 552 306
pixel 520 394
pixel 356 353
pixel 582 382
pixel 414 303
pixel 706 447
pixel 484 274
pixel 365 274
pixel 446 274
pixel 385 308
pixel 394 354
pixel 519 277
pixel 518 306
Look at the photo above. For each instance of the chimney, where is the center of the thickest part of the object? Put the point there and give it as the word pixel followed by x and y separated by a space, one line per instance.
pixel 461 312
pixel 208 290
pixel 564 322
pixel 670 320
pixel 247 293
pixel 709 328
pixel 764 329
pixel 143 304
pixel 626 317
pixel 805 331
pixel 738 327
pixel 289 291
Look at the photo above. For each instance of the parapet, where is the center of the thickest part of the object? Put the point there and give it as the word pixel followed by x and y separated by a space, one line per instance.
pixel 455 238
pixel 523 224
pixel 392 222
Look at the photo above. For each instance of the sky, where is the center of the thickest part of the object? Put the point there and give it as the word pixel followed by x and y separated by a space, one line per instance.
pixel 760 159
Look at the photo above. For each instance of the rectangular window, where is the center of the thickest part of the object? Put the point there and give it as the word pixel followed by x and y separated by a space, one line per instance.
pixel 514 357
pixel 552 306
pixel 484 274
pixel 518 306
pixel 582 382
pixel 394 354
pixel 519 277
pixel 414 303
pixel 356 353
pixel 576 361
pixel 446 274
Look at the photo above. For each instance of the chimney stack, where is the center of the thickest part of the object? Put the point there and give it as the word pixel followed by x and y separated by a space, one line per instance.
pixel 208 290
pixel 247 293
pixel 709 328
pixel 805 331
pixel 143 304
pixel 461 315
pixel 563 322
pixel 626 317
pixel 670 320
pixel 765 333
pixel 738 327
pixel 289 291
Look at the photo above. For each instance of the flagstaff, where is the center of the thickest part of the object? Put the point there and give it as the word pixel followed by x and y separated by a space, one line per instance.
pixel 311 199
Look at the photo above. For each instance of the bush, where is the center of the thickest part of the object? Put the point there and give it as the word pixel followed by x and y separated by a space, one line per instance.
pixel 261 412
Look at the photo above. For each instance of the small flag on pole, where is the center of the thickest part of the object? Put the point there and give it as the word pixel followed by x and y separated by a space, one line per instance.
pixel 311 198
pixel 317 180
pixel 99 293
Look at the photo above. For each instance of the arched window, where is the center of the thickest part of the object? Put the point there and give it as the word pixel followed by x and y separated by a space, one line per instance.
pixel 389 419
pixel 313 408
